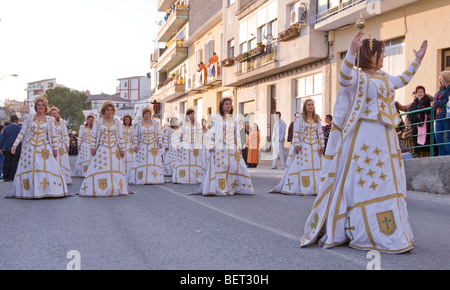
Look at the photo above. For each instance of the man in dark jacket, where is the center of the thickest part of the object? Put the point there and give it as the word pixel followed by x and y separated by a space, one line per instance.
pixel 6 142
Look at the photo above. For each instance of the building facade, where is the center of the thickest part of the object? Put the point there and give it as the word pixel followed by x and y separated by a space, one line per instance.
pixel 134 88
pixel 38 89
pixel 275 54
pixel 172 65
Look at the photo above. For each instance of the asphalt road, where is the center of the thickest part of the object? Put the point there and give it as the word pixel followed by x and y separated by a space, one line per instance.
pixel 162 227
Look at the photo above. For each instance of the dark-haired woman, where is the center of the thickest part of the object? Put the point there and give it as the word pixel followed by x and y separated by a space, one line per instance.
pixel 128 130
pixel 84 147
pixel 190 161
pixel 362 195
pixel 420 121
pixel 226 172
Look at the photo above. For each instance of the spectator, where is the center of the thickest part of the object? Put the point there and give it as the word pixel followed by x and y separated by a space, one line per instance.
pixel 253 146
pixel 420 121
pixel 442 127
pixel 279 131
pixel 407 142
pixel 291 129
pixel 6 142
pixel 244 139
pixel 326 129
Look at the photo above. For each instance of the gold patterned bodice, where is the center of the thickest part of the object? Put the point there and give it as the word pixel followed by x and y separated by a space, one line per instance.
pixel 148 133
pixel 59 134
pixel 128 134
pixel 38 133
pixel 88 135
pixel 108 134
pixel 310 135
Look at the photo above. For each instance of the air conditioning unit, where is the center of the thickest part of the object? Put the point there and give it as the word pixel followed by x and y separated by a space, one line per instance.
pixel 298 15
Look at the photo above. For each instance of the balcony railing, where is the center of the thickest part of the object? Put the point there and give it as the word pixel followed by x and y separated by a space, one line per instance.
pixel 175 19
pixel 176 84
pixel 256 58
pixel 332 11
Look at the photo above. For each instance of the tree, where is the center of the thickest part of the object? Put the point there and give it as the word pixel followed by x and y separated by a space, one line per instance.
pixel 70 103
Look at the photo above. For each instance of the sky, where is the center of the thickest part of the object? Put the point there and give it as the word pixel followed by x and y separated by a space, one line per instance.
pixel 84 44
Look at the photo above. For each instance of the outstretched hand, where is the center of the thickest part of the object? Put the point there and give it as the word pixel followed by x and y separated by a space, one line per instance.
pixel 421 52
pixel 356 42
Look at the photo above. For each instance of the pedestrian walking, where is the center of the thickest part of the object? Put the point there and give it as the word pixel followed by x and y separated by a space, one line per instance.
pixel 10 161
pixel 253 147
pixel 279 131
pixel 362 196
pixel 38 173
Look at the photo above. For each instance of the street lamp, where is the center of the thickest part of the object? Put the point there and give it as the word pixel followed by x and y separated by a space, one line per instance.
pixel 12 75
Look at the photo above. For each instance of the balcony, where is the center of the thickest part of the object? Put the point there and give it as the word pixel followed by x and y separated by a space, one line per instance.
pixel 214 76
pixel 163 5
pixel 172 56
pixel 170 89
pixel 256 58
pixel 177 17
pixel 347 12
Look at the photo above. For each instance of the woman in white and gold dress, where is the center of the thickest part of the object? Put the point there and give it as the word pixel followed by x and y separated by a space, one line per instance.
pixel 190 162
pixel 226 172
pixel 38 173
pixel 170 154
pixel 62 139
pixel 84 147
pixel 106 172
pixel 362 196
pixel 147 166
pixel 302 174
pixel 128 130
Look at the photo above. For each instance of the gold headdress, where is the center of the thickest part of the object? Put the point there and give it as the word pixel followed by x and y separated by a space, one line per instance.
pixel 42 99
pixel 106 104
pixel 54 108
pixel 145 110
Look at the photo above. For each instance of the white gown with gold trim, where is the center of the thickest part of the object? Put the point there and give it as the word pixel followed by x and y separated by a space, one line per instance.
pixel 189 164
pixel 170 153
pixel 38 173
pixel 62 139
pixel 128 132
pixel 302 173
pixel 362 196
pixel 147 166
pixel 226 172
pixel 106 172
pixel 84 154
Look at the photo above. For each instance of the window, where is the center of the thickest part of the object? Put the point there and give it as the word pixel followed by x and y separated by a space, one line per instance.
pixel 394 62
pixel 310 87
pixel 230 48
pixel 230 2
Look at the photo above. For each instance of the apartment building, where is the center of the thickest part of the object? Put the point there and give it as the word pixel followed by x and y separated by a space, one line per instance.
pixel 37 89
pixel 134 88
pixel 280 60
pixel 402 25
pixel 170 65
